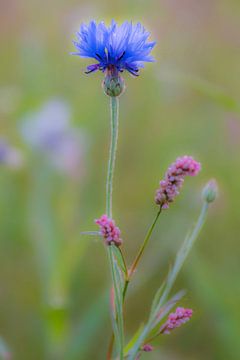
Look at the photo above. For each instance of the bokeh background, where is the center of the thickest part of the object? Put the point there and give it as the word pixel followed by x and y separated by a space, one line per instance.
pixel 54 123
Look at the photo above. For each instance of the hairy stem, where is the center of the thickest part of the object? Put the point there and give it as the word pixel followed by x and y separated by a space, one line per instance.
pixel 114 107
pixel 129 274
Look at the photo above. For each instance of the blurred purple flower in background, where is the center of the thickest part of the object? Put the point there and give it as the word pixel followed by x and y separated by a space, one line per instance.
pixel 10 156
pixel 48 131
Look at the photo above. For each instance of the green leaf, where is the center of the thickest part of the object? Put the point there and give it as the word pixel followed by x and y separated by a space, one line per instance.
pixel 119 257
pixel 118 288
pixel 133 340
pixel 179 261
pixel 156 299
pixel 164 310
pixel 184 252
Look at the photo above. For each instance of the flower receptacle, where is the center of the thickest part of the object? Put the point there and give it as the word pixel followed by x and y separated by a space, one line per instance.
pixel 113 83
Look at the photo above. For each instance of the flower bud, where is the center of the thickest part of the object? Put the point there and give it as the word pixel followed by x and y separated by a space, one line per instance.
pixel 210 191
pixel 113 84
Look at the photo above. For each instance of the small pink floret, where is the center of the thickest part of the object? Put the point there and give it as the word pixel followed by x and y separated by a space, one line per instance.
pixel 174 178
pixel 176 319
pixel 109 230
pixel 147 348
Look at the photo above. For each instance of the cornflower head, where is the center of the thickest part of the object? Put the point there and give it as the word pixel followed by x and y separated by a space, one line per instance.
pixel 174 178
pixel 115 48
pixel 109 231
pixel 176 319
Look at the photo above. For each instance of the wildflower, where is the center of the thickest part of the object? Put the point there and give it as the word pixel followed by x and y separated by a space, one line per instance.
pixel 174 178
pixel 115 48
pixel 147 348
pixel 210 191
pixel 109 230
pixel 176 319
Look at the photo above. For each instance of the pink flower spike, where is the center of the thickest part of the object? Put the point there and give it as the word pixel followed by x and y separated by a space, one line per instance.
pixel 181 316
pixel 174 178
pixel 109 231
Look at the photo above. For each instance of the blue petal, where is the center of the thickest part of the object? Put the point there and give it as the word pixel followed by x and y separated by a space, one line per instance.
pixel 125 46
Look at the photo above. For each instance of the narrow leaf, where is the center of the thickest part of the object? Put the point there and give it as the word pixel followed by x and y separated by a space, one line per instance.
pixel 133 340
pixel 117 284
pixel 120 260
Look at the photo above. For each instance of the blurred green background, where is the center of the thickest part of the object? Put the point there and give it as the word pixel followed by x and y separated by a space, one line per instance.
pixel 53 281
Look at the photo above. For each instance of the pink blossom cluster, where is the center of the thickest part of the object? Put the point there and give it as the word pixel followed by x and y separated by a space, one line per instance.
pixel 147 348
pixel 109 230
pixel 174 178
pixel 176 319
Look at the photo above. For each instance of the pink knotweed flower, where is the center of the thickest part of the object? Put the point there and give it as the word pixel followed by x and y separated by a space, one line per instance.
pixel 174 178
pixel 109 230
pixel 176 319
pixel 147 348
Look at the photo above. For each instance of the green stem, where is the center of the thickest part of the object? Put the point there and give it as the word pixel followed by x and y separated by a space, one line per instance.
pixel 114 107
pixel 179 261
pixel 184 251
pixel 144 244
pixel 139 255
pixel 134 265
pixel 118 330
pixel 125 288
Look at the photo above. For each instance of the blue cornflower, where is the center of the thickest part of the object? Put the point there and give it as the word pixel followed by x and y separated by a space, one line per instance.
pixel 116 48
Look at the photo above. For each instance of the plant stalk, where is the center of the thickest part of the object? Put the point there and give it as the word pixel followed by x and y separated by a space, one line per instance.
pixel 144 244
pixel 179 261
pixel 114 108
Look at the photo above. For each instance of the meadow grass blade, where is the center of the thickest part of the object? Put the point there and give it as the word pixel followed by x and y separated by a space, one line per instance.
pixel 184 252
pixel 180 259
pixel 133 340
